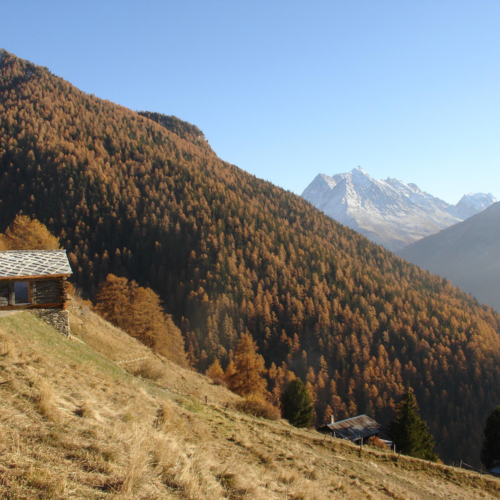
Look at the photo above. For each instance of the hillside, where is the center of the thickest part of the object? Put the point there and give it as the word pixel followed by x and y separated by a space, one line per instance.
pixel 467 254
pixel 229 253
pixel 388 212
pixel 75 424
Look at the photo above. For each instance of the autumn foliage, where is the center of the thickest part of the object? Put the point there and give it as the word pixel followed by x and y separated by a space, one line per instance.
pixel 230 254
pixel 247 376
pixel 25 233
pixel 138 311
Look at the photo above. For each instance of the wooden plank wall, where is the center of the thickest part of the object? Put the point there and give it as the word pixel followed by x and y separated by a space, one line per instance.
pixel 47 291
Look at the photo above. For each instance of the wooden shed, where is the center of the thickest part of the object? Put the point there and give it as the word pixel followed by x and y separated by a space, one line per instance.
pixel 33 279
pixel 355 429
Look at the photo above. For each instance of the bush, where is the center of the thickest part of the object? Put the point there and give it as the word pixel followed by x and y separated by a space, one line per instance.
pixel 376 442
pixel 259 407
pixel 148 369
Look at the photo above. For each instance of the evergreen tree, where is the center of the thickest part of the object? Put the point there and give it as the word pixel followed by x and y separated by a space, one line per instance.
pixel 297 405
pixel 491 444
pixel 409 431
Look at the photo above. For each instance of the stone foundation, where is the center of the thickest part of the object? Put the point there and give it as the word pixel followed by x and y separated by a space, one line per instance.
pixel 56 318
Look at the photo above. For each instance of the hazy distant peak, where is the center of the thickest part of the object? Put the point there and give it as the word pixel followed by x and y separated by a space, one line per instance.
pixel 478 197
pixel 471 204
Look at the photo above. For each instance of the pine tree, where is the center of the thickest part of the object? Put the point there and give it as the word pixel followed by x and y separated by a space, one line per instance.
pixel 409 431
pixel 491 444
pixel 297 405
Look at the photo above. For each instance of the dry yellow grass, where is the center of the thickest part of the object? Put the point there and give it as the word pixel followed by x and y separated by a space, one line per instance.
pixel 75 422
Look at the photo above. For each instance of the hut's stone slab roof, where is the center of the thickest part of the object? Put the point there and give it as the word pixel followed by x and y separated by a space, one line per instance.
pixel 354 428
pixel 19 263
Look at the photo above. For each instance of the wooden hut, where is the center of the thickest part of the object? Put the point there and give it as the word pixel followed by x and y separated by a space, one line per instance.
pixel 36 280
pixel 355 429
pixel 33 279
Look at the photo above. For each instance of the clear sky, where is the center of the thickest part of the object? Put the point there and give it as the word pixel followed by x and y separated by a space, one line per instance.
pixel 288 89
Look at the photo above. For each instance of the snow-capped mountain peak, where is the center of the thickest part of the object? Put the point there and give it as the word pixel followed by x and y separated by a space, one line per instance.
pixel 471 204
pixel 389 211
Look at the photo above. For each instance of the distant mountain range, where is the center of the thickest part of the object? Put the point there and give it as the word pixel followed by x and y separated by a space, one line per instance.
pixel 390 212
pixel 468 254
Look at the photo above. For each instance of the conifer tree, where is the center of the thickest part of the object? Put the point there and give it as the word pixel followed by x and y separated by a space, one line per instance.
pixel 491 444
pixel 230 372
pixel 409 431
pixel 249 369
pixel 297 405
pixel 113 301
pixel 28 234
pixel 215 372
pixel 138 311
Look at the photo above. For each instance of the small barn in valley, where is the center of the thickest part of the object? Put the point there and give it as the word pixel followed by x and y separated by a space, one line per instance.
pixel 36 280
pixel 355 429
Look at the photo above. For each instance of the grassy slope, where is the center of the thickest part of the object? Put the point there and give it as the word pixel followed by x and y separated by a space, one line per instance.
pixel 75 424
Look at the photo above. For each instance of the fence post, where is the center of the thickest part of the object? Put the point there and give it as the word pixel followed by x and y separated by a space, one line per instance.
pixel 460 463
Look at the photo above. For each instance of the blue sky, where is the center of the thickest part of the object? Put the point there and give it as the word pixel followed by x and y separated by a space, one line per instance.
pixel 289 89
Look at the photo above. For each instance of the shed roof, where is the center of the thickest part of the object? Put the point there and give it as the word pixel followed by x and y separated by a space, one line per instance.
pixel 354 428
pixel 23 263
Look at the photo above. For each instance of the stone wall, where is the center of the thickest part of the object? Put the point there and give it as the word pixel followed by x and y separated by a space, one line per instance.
pixel 57 318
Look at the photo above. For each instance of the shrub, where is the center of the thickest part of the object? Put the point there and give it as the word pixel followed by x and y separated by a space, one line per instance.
pixel 148 369
pixel 376 442
pixel 259 407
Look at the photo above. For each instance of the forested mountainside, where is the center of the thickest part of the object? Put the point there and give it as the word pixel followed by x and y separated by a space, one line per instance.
pixel 230 253
pixel 190 133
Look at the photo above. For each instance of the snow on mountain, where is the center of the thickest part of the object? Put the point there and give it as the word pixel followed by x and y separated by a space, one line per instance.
pixel 390 212
pixel 471 204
